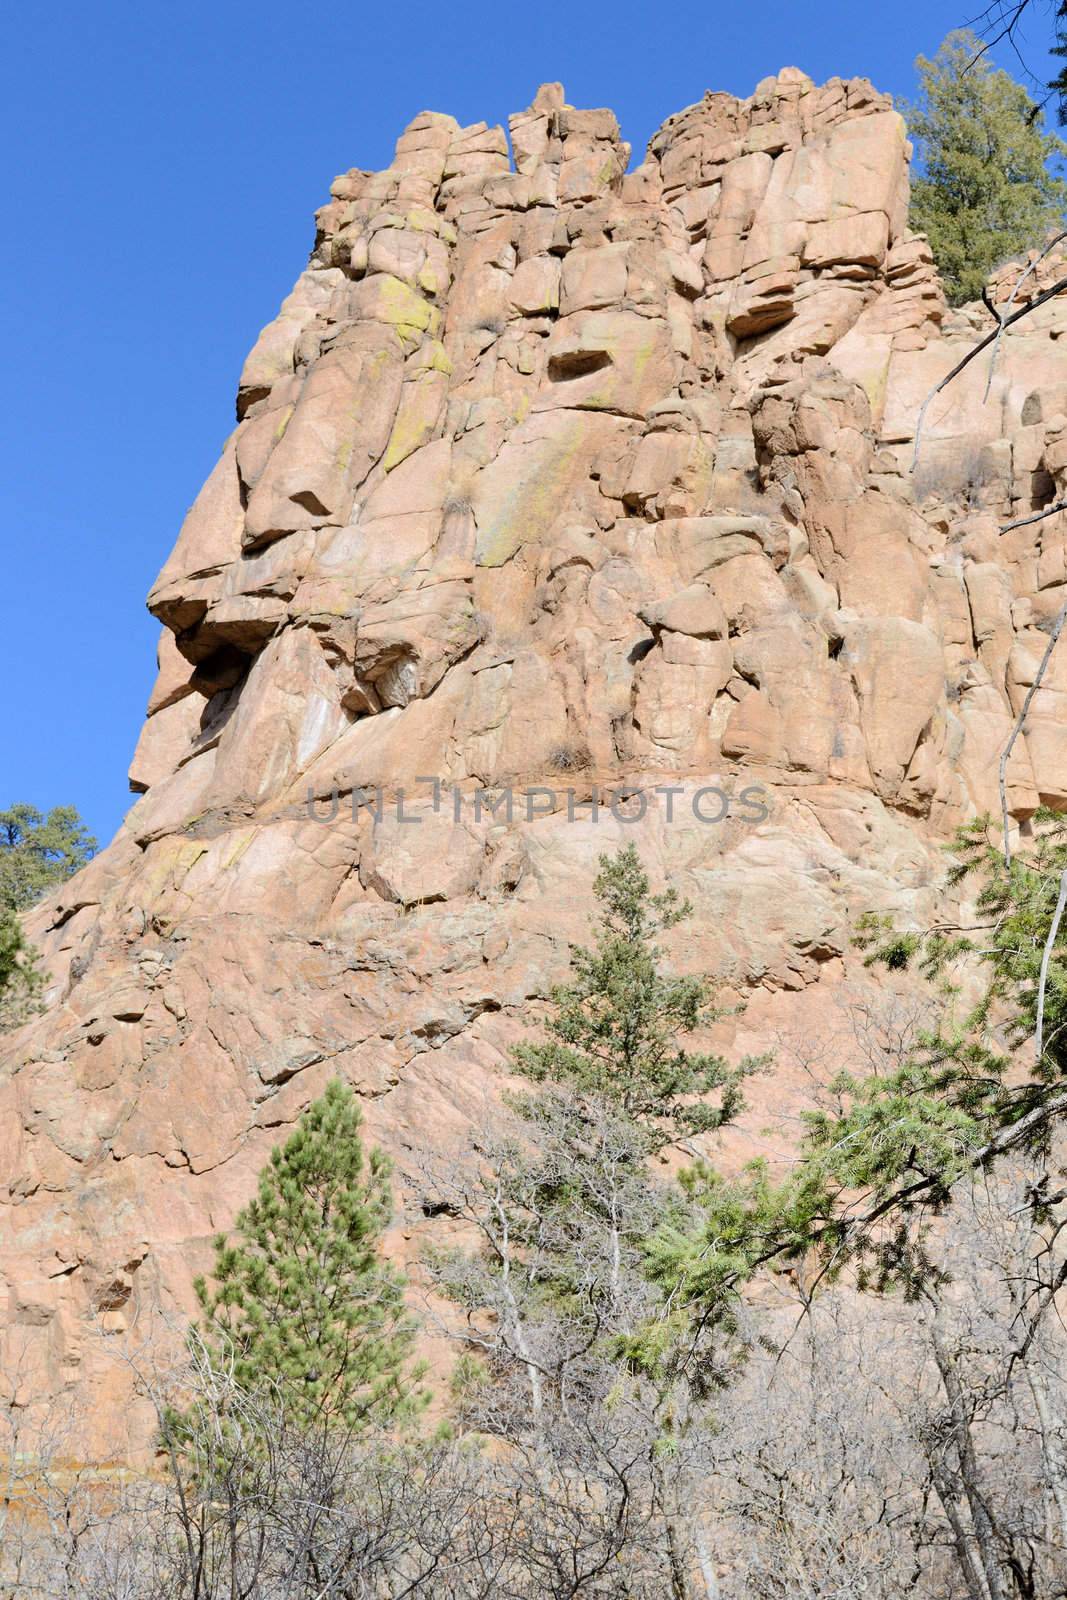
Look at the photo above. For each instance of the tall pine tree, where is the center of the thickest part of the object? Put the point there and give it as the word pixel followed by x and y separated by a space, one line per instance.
pixel 302 1300
pixel 567 1201
pixel 985 192
pixel 577 1351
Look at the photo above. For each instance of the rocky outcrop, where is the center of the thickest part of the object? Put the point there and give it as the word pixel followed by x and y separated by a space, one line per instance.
pixel 569 502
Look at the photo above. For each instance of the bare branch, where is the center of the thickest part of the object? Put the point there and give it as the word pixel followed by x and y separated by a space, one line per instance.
pixel 976 350
pixel 1039 516
pixel 1019 723
pixel 1002 316
pixel 1045 959
pixel 996 14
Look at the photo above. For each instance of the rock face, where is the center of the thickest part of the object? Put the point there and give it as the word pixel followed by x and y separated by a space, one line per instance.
pixel 568 504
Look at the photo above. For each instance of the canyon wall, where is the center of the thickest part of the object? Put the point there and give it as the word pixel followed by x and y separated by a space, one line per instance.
pixel 570 502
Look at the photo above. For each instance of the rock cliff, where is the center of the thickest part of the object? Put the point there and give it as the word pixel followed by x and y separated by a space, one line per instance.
pixel 569 502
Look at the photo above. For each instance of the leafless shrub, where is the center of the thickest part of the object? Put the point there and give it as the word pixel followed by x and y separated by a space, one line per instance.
pixel 953 471
pixel 572 757
pixel 458 503
pixel 866 1449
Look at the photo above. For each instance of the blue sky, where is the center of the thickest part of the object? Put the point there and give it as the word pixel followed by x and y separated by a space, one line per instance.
pixel 163 164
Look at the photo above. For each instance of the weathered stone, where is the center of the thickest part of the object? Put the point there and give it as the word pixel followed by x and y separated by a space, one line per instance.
pixel 861 238
pixel 535 287
pixel 693 610
pixel 593 278
pixel 338 431
pixel 272 357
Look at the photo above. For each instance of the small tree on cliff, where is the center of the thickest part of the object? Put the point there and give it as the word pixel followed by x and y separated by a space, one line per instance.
pixel 985 192
pixel 302 1300
pixel 572 1191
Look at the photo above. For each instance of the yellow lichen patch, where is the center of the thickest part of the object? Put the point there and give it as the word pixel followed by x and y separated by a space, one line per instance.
pixel 435 358
pixel 237 850
pixel 374 366
pixel 419 220
pixel 170 861
pixel 530 486
pixel 428 280
pixel 405 310
pixel 416 418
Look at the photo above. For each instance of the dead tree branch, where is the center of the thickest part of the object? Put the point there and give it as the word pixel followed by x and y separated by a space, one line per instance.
pixel 1018 728
pixel 1002 316
pixel 1045 959
pixel 1039 516
pixel 976 350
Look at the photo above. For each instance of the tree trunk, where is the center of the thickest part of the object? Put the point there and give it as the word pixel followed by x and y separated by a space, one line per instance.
pixel 679 1580
pixel 684 1531
pixel 981 1522
pixel 706 1563
pixel 967 1552
pixel 1051 1442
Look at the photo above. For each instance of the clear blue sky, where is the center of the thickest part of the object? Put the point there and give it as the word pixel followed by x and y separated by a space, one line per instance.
pixel 163 163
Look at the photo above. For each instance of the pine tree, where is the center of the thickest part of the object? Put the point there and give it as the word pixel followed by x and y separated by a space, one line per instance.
pixel 566 1202
pixel 1058 85
pixel 985 193
pixel 302 1301
pixel 616 1029
pixel 20 979
pixel 986 1084
pixel 989 1078
pixel 578 1350
pixel 37 852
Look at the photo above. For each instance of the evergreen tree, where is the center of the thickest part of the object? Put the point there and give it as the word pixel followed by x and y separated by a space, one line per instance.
pixel 20 980
pixel 37 852
pixel 302 1301
pixel 615 1031
pixel 987 1083
pixel 1058 86
pixel 576 1349
pixel 989 1079
pixel 985 193
pixel 576 1356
